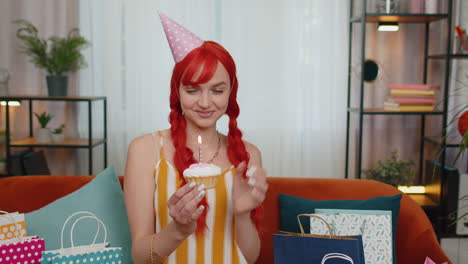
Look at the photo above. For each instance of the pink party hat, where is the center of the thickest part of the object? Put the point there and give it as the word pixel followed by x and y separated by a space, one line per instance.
pixel 181 40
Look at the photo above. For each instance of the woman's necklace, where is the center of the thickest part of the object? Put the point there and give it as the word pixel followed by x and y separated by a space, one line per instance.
pixel 217 150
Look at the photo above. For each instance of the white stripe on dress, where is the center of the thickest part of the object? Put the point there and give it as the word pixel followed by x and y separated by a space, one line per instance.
pixel 228 223
pixel 192 249
pixel 156 200
pixel 211 199
pixel 171 188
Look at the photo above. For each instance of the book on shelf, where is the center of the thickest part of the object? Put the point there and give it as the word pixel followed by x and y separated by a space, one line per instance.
pixel 412 86
pixel 412 92
pixel 411 100
pixel 412 96
pixel 408 107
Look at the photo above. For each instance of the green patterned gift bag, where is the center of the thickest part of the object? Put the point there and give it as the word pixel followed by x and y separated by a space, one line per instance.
pixel 374 226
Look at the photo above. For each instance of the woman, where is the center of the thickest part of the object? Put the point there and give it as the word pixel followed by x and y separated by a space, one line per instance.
pixel 183 222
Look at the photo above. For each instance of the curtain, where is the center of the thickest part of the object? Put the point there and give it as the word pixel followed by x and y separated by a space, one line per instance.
pixel 292 69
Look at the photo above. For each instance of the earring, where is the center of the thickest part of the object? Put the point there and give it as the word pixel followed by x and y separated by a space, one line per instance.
pixel 183 113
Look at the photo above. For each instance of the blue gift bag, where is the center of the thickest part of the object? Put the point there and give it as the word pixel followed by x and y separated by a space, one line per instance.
pixel 290 248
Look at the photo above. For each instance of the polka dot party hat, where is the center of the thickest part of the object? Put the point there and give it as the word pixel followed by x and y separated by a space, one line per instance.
pixel 180 39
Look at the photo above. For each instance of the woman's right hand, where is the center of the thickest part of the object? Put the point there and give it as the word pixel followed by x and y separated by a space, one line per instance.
pixel 183 207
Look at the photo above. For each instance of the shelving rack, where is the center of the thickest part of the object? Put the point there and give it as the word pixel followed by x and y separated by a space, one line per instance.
pixel 83 143
pixel 368 17
pixel 435 211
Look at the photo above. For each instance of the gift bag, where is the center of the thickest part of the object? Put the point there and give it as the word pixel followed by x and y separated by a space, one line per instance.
pixel 336 256
pixel 374 226
pixel 12 225
pixel 23 250
pixel 93 253
pixel 293 248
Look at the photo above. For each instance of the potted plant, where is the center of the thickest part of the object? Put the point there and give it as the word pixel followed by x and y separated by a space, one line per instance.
pixel 57 134
pixel 43 133
pixel 457 125
pixel 392 171
pixel 56 55
pixel 462 218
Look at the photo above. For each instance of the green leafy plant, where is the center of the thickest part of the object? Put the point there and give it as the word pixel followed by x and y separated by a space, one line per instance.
pixel 460 218
pixel 59 129
pixel 55 55
pixel 392 171
pixel 43 119
pixel 452 128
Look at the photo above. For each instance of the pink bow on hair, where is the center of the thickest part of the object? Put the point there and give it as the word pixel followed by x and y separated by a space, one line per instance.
pixel 430 261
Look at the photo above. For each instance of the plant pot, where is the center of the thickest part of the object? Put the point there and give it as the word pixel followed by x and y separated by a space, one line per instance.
pixel 57 85
pixel 387 6
pixel 4 76
pixel 431 6
pixel 43 135
pixel 58 137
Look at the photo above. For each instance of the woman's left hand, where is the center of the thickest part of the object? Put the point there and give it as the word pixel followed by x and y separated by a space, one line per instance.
pixel 248 193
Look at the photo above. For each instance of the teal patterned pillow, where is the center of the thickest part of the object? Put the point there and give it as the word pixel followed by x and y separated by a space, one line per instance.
pixel 103 196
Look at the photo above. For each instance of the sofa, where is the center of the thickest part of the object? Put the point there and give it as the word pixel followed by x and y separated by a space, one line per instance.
pixel 415 238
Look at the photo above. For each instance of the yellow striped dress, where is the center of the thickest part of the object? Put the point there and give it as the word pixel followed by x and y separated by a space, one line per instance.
pixel 218 244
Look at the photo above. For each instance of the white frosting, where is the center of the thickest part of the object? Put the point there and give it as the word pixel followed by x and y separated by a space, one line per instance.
pixel 202 170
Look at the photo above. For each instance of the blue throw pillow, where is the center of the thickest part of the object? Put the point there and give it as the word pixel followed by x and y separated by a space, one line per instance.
pixel 291 206
pixel 103 196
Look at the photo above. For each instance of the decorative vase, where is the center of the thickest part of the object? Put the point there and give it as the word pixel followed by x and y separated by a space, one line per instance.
pixel 4 76
pixel 43 135
pixel 462 124
pixel 431 6
pixel 387 6
pixel 58 137
pixel 57 85
pixel 461 44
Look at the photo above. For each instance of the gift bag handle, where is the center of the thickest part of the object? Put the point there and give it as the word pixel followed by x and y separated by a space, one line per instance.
pixel 70 217
pixel 336 255
pixel 330 230
pixel 99 221
pixel 13 222
pixel 7 214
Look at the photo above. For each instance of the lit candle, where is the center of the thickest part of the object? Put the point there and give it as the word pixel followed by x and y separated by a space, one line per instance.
pixel 199 148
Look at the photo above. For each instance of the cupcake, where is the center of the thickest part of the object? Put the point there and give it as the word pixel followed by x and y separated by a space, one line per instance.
pixel 203 173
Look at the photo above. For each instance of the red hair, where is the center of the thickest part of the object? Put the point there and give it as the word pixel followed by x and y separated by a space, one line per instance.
pixel 206 57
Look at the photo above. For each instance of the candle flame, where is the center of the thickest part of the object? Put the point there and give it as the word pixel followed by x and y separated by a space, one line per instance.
pixel 199 139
